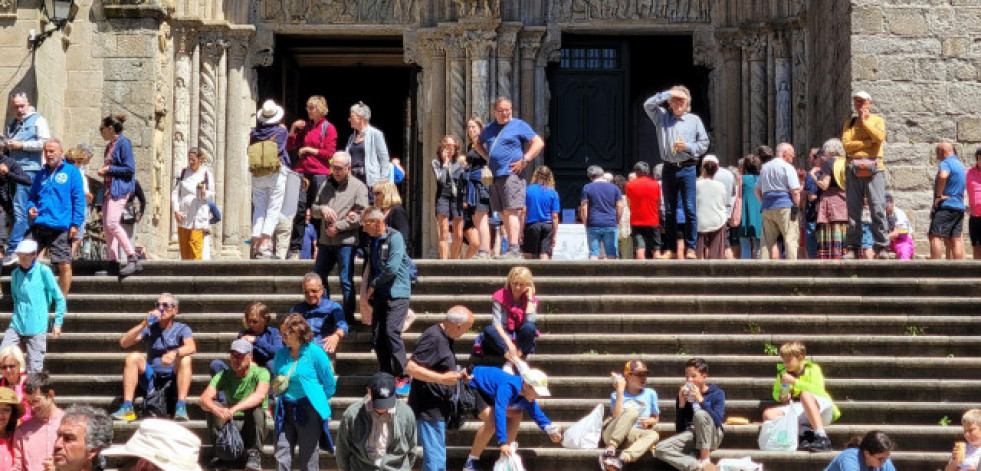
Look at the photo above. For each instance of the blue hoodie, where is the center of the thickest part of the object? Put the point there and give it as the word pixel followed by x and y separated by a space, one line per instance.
pixel 505 389
pixel 58 196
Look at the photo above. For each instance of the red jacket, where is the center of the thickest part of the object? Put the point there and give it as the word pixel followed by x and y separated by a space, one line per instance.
pixel 321 136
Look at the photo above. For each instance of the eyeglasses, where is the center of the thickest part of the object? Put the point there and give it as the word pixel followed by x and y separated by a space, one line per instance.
pixel 163 305
pixel 338 167
pixel 9 367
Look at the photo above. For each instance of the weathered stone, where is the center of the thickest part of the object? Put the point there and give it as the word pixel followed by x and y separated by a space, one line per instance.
pixel 865 68
pixel 969 129
pixel 867 20
pixel 910 178
pixel 954 47
pixel 906 21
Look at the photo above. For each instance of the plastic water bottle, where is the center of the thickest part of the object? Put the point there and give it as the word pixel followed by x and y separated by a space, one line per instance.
pixel 784 389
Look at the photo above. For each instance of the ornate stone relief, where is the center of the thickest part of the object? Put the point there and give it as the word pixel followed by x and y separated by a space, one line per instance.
pixel 8 8
pixel 339 11
pixel 705 50
pixel 478 8
pixel 675 11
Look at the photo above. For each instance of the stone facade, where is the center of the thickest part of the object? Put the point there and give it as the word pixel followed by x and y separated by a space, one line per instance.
pixel 185 73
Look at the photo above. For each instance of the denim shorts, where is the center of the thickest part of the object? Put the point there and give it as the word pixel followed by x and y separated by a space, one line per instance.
pixel 606 235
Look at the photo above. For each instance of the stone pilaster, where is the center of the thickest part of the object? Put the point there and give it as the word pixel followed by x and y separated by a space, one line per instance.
pixel 727 126
pixel 212 51
pixel 799 88
pixel 755 53
pixel 236 218
pixel 185 44
pixel 507 37
pixel 456 106
pixel 530 43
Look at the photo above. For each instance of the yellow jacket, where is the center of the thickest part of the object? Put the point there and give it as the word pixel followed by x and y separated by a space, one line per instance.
pixel 864 138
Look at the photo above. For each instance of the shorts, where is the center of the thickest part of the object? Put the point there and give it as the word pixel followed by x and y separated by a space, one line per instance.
pixel 507 192
pixel 825 407
pixel 56 241
pixel 867 240
pixel 537 239
pixel 448 207
pixel 947 222
pixel 646 237
pixel 974 224
pixel 483 198
pixel 482 400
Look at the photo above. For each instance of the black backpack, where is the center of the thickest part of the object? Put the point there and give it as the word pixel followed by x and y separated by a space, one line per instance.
pixel 462 403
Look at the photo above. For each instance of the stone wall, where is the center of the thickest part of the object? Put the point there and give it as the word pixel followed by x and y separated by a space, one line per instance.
pixel 919 61
pixel 829 70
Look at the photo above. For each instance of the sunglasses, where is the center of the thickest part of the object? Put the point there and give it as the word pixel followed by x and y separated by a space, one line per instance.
pixel 163 305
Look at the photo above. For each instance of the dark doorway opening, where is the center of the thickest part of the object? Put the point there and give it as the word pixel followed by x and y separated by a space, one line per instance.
pixel 596 114
pixel 347 71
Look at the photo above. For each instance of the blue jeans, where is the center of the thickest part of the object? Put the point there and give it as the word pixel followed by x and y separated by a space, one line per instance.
pixel 750 247
pixel 524 339
pixel 810 239
pixel 432 437
pixel 343 257
pixel 606 235
pixel 21 224
pixel 679 181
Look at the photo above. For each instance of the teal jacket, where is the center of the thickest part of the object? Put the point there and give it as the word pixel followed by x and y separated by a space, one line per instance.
pixel 313 377
pixel 34 289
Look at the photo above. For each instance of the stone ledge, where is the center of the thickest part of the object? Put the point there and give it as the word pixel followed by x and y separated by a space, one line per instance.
pixel 134 11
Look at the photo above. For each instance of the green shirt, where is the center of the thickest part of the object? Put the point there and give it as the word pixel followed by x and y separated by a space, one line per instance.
pixel 236 389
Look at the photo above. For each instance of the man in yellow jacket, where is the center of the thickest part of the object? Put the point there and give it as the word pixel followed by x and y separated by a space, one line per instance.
pixel 863 136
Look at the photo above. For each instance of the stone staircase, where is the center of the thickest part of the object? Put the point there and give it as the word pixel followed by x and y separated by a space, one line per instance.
pixel 898 341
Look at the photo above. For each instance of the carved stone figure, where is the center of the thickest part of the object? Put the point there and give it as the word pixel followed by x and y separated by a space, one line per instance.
pixel 297 10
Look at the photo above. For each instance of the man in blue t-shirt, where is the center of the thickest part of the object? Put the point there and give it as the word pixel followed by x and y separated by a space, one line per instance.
pixel 508 144
pixel 947 215
pixel 601 208
pixel 169 346
pixel 779 190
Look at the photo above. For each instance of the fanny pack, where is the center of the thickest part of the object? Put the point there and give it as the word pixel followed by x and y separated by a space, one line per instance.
pixel 282 382
pixel 864 167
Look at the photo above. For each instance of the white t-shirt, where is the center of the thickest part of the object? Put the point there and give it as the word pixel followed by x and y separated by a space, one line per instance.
pixel 972 456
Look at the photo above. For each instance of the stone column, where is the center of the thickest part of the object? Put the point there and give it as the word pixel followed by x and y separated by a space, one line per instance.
pixel 479 45
pixel 755 50
pixel 507 38
pixel 799 88
pixel 783 88
pixel 456 86
pixel 530 42
pixel 732 100
pixel 236 216
pixel 185 40
pixel 212 51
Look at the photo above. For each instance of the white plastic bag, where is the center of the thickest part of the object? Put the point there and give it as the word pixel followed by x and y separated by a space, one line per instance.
pixel 585 434
pixel 510 463
pixel 739 464
pixel 780 434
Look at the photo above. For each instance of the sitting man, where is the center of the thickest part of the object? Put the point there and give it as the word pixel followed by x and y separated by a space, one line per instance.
pixel 169 346
pixel 701 409
pixel 502 399
pixel 326 318
pixel 635 413
pixel 377 432
pixel 245 387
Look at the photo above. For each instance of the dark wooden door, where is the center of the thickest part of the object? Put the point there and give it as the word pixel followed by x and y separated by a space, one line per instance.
pixel 587 118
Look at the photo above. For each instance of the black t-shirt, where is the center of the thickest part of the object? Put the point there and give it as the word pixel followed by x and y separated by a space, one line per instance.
pixel 828 168
pixel 398 220
pixel 434 350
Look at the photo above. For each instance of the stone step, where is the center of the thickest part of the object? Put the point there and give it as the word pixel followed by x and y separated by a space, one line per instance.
pixel 625 284
pixel 610 322
pixel 589 344
pixel 687 304
pixel 911 269
pixel 581 387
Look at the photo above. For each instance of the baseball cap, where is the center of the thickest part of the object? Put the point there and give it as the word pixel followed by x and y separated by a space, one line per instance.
pixel 862 94
pixel 888 197
pixel 538 380
pixel 242 346
pixel 710 158
pixel 633 366
pixel 164 443
pixel 26 246
pixel 382 388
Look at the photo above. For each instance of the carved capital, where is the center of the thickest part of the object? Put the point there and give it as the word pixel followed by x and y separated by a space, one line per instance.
pixel 781 44
pixel 479 44
pixel 730 46
pixel 185 38
pixel 530 40
pixel 507 38
pixel 455 46
pixel 478 8
pixel 432 43
pixel 704 49
pixel 754 46
pixel 8 9
pixel 262 47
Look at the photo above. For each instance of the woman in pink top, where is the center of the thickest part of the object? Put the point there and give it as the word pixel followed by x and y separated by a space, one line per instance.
pixel 13 375
pixel 10 411
pixel 974 203
pixel 315 142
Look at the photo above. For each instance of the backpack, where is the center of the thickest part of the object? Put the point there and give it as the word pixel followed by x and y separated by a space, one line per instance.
pixel 462 404
pixel 264 158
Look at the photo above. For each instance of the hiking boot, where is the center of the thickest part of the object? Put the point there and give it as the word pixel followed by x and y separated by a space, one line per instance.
pixel 128 269
pixel 180 414
pixel 254 462
pixel 820 443
pixel 125 413
pixel 609 462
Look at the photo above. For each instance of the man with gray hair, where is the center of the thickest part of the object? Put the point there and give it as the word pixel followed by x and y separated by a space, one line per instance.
pixel 338 207
pixel 26 134
pixel 84 432
pixel 435 374
pixel 779 190
pixel 601 209
pixel 682 139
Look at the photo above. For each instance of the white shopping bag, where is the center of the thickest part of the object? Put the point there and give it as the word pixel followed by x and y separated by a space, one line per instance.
pixel 779 434
pixel 585 434
pixel 739 464
pixel 510 463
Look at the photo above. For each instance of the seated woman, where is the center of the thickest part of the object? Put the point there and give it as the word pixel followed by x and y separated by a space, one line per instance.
pixel 869 454
pixel 13 374
pixel 265 340
pixel 513 314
